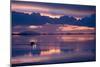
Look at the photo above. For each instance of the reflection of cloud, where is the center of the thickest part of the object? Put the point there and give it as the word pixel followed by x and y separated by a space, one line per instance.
pixel 79 38
pixel 50 28
pixel 33 40
pixel 51 51
pixel 16 33
pixel 17 26
pixel 73 28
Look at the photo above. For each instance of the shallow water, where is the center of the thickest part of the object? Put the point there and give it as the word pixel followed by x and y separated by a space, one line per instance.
pixel 50 46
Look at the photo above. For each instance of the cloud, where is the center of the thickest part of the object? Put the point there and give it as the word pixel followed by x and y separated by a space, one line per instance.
pixel 37 19
pixel 53 9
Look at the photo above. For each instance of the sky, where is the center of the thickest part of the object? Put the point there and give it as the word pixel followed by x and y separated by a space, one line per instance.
pixel 53 10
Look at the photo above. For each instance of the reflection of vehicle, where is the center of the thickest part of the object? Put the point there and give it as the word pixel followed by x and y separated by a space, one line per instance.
pixel 35 48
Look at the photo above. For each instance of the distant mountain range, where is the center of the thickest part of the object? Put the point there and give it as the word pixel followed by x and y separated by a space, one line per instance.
pixel 60 33
pixel 36 19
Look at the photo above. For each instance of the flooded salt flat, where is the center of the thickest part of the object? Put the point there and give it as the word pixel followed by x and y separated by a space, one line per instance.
pixel 52 46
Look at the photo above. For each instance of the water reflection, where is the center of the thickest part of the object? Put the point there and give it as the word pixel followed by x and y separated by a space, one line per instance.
pixel 51 51
pixel 53 45
pixel 74 38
